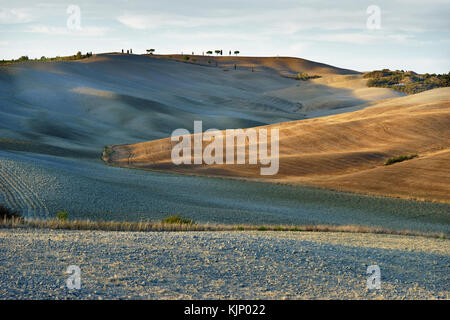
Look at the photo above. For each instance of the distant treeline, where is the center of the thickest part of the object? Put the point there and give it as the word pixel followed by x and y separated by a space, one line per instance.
pixel 406 81
pixel 77 56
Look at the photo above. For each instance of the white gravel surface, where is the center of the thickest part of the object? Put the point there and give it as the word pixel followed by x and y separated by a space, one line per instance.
pixel 210 265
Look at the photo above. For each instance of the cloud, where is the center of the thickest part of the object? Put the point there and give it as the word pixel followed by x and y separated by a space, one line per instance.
pixel 154 21
pixel 418 18
pixel 278 20
pixel 363 38
pixel 84 31
pixel 14 16
pixel 139 22
pixel 214 35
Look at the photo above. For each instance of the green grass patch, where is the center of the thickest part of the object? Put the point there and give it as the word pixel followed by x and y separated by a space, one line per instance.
pixel 107 151
pixel 177 219
pixel 400 159
pixel 62 215
pixel 304 76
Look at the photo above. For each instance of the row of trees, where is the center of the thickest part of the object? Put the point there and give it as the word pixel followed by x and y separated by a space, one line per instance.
pixel 236 52
pixel 76 56
pixel 209 52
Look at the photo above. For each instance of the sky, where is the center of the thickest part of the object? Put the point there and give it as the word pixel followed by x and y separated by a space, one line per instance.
pixel 355 34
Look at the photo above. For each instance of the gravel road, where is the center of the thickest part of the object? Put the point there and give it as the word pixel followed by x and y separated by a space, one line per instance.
pixel 219 265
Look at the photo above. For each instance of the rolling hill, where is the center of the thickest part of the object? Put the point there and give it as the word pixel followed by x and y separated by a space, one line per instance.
pixel 343 152
pixel 57 116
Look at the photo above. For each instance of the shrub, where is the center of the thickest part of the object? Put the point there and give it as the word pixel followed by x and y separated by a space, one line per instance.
pixel 23 58
pixel 8 213
pixel 177 219
pixel 406 81
pixel 400 159
pixel 62 215
pixel 107 151
pixel 186 58
pixel 302 76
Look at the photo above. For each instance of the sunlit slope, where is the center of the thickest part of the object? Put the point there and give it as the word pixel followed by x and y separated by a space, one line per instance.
pixel 344 152
pixel 336 88
pixel 331 92
pixel 278 65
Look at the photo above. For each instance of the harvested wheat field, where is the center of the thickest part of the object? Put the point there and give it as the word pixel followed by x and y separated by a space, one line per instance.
pixel 56 117
pixel 343 152
pixel 220 265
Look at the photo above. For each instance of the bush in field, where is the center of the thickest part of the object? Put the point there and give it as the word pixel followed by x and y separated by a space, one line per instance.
pixel 304 76
pixel 23 58
pixel 399 159
pixel 62 215
pixel 177 219
pixel 406 81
